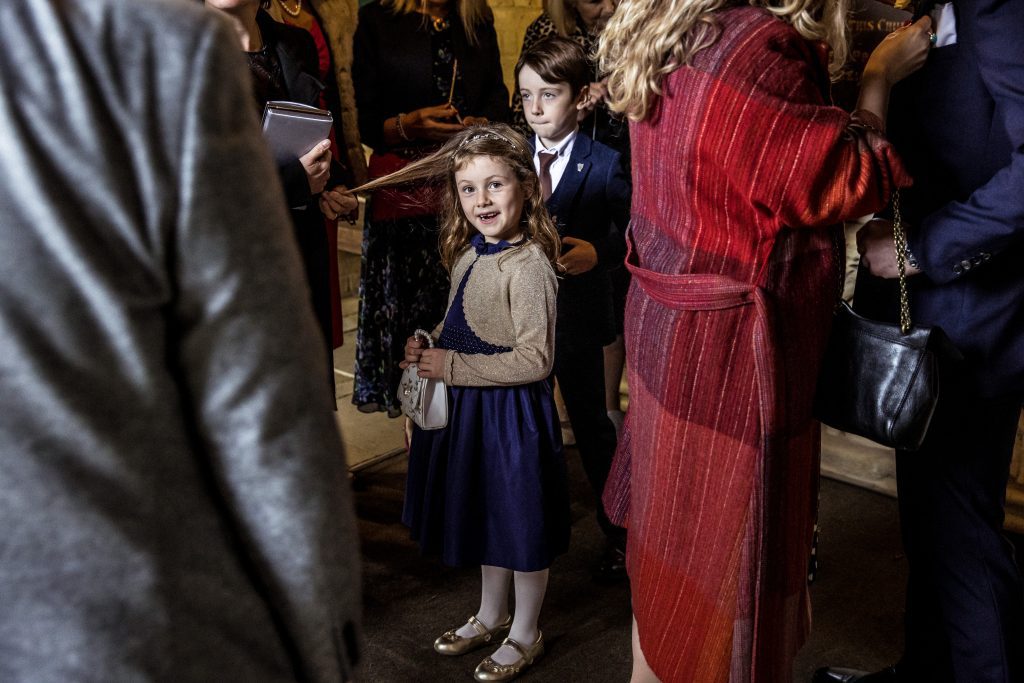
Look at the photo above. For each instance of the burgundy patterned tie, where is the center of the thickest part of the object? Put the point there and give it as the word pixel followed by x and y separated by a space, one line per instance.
pixel 546 159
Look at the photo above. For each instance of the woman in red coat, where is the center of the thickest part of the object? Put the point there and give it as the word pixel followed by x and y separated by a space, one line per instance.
pixel 742 174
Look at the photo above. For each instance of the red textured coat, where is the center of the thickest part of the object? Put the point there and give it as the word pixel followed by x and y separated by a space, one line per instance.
pixel 742 175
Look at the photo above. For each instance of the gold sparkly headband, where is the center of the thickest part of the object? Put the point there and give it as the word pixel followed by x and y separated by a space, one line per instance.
pixel 491 135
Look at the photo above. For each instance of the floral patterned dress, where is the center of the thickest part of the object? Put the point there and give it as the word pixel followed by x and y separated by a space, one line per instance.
pixel 403 285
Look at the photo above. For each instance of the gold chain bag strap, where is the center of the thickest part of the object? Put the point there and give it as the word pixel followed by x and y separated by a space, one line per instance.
pixel 899 240
pixel 424 400
pixel 881 380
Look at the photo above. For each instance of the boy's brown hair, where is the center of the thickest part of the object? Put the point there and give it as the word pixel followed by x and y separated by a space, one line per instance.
pixel 557 60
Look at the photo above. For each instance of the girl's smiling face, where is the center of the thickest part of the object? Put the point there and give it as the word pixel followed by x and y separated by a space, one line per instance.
pixel 491 197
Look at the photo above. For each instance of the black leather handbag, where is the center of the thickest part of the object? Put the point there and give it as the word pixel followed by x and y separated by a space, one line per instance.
pixel 881 380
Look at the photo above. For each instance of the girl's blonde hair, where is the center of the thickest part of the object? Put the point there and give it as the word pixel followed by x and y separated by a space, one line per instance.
pixel 472 13
pixel 496 140
pixel 645 40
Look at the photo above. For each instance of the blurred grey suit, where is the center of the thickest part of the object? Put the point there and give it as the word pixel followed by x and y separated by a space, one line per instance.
pixel 173 505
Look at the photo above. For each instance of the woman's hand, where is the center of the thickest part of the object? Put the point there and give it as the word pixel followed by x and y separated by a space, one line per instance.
pixel 580 257
pixel 435 124
pixel 317 165
pixel 596 93
pixel 338 201
pixel 877 248
pixel 431 363
pixel 901 53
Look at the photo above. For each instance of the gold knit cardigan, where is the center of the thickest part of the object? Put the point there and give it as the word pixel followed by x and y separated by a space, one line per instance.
pixel 509 300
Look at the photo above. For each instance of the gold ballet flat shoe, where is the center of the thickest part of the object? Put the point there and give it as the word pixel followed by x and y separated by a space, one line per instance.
pixel 452 644
pixel 490 670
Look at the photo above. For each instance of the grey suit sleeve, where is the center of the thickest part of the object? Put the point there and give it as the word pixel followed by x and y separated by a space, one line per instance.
pixel 245 346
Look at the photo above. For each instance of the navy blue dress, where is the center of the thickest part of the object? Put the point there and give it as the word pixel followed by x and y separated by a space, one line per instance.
pixel 491 487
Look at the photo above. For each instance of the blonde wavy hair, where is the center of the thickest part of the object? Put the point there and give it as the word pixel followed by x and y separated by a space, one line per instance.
pixel 472 13
pixel 496 140
pixel 645 40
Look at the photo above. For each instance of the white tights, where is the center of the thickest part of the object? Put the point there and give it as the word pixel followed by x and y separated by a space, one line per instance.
pixel 530 588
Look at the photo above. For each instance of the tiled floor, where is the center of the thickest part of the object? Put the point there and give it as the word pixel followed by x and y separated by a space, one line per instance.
pixel 367 436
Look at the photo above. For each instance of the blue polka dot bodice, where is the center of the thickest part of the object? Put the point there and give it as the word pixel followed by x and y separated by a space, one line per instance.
pixel 457 334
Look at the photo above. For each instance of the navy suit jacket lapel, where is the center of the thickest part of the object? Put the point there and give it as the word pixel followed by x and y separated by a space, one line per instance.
pixel 572 178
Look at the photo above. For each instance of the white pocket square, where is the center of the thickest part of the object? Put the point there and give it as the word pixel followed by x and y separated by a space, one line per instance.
pixel 944 25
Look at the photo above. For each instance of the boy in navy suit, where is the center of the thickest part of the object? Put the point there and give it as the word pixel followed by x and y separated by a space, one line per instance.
pixel 587 193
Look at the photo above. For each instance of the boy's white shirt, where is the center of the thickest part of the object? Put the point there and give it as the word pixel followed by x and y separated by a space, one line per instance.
pixel 564 151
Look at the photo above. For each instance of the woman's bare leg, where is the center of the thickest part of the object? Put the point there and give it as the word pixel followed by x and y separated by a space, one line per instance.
pixel 641 671
pixel 614 362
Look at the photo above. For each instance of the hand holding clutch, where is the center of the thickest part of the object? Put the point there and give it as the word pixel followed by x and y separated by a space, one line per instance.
pixel 424 399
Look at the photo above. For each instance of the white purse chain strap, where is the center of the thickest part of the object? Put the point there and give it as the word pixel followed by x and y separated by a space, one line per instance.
pixel 416 383
pixel 425 336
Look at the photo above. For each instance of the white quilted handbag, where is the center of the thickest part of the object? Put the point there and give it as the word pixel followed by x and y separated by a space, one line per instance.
pixel 424 401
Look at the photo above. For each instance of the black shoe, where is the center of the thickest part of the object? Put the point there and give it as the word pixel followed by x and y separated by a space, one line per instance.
pixel 611 568
pixel 837 675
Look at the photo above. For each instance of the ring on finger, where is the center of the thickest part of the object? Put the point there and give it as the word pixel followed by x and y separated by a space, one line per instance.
pixel 932 37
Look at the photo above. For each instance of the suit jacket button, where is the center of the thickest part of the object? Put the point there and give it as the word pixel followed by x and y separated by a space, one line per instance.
pixel 985 256
pixel 957 270
pixel 965 264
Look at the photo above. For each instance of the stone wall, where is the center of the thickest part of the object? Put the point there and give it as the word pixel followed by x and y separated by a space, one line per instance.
pixel 511 17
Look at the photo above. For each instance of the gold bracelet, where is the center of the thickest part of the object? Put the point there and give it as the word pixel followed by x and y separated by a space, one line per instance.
pixel 401 130
pixel 866 120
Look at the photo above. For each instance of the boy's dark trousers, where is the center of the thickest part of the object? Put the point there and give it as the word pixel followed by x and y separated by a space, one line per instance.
pixel 579 369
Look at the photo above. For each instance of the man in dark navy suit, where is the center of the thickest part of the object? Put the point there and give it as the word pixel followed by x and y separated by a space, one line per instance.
pixel 959 124
pixel 587 192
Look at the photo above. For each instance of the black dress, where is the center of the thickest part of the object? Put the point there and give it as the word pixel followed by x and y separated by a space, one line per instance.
pixel 283 70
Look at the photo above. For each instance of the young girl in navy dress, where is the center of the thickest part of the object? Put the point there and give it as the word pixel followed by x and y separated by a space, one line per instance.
pixel 490 489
